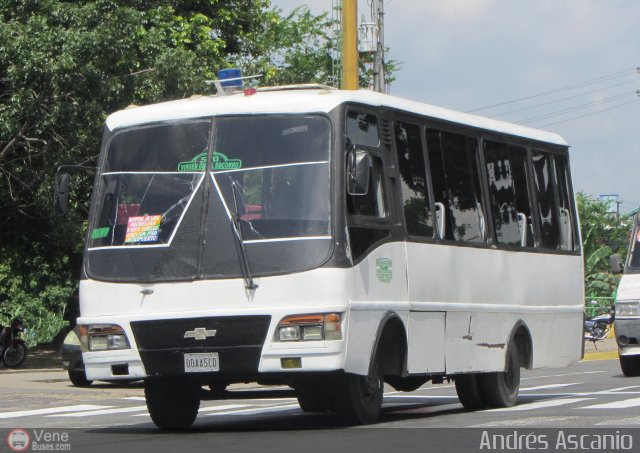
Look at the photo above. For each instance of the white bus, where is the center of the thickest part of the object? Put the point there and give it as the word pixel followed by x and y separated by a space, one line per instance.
pixel 330 241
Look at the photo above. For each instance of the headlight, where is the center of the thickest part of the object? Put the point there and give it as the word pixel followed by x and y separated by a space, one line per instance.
pixel 310 327
pixel 627 309
pixel 103 337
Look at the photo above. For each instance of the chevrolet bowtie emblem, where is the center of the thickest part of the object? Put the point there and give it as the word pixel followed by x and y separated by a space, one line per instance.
pixel 200 333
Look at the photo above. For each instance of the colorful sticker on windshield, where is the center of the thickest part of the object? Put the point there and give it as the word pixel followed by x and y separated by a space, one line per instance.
pixel 99 233
pixel 143 229
pixel 218 162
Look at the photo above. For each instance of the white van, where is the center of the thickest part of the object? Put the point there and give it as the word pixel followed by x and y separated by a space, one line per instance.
pixel 627 314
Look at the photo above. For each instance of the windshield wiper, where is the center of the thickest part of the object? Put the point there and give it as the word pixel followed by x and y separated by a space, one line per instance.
pixel 235 218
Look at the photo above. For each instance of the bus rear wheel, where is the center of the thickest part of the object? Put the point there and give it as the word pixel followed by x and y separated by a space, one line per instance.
pixel 630 365
pixel 172 402
pixel 358 399
pixel 501 389
pixel 468 390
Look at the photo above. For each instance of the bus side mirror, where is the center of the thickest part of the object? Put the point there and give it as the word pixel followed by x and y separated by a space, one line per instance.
pixel 358 172
pixel 61 194
pixel 615 262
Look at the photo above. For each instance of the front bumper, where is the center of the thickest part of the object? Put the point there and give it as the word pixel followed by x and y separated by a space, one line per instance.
pixel 246 350
pixel 628 335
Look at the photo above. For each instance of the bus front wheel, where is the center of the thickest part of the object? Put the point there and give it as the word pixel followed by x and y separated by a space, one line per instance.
pixel 172 402
pixel 358 399
pixel 501 389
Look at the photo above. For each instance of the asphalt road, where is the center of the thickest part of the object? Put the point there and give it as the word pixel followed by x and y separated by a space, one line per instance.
pixel 590 394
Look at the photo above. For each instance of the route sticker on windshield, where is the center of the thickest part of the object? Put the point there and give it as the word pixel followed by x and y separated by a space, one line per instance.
pixel 143 229
pixel 218 162
pixel 99 233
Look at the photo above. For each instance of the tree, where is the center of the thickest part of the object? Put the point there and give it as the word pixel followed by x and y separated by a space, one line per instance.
pixel 64 65
pixel 603 234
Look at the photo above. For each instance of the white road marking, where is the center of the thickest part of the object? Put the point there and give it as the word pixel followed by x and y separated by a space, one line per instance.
pixel 550 386
pixel 135 398
pixel 425 409
pixel 618 422
pixel 540 404
pixel 224 407
pixel 257 410
pixel 121 410
pixel 624 404
pixel 422 397
pixel 52 410
pixel 561 375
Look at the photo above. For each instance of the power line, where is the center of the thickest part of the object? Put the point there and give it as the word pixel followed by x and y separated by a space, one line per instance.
pixel 597 80
pixel 586 115
pixel 566 98
pixel 574 108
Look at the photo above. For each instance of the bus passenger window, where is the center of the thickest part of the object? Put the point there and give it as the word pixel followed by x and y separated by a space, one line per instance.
pixel 372 204
pixel 567 224
pixel 415 194
pixel 456 189
pixel 362 128
pixel 508 194
pixel 544 179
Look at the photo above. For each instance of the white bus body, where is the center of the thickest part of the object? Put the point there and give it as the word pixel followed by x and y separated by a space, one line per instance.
pixel 407 308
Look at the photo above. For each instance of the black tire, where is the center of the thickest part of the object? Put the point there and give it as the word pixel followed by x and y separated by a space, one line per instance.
pixel 501 389
pixel 468 390
pixel 79 378
pixel 358 399
pixel 313 401
pixel 173 403
pixel 14 356
pixel 630 365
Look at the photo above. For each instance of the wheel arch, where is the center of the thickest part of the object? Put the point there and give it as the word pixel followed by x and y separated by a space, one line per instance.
pixel 392 338
pixel 521 336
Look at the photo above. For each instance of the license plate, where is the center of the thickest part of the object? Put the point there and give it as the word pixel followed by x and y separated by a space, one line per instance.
pixel 201 362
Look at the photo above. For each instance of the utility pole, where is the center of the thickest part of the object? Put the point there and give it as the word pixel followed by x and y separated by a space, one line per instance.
pixel 378 64
pixel 349 45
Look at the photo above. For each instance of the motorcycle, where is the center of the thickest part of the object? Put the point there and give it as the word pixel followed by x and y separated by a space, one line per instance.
pixel 597 328
pixel 13 349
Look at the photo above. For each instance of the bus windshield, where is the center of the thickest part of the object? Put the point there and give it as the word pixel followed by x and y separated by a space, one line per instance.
pixel 634 250
pixel 159 214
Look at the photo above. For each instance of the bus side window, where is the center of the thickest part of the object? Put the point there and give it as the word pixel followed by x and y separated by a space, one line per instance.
pixel 567 223
pixel 456 187
pixel 508 193
pixel 546 203
pixel 362 128
pixel 415 192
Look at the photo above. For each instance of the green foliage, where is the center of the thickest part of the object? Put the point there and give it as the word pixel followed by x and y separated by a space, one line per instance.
pixel 603 234
pixel 64 66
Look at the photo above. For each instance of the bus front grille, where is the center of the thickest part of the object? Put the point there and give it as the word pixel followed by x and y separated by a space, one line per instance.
pixel 206 332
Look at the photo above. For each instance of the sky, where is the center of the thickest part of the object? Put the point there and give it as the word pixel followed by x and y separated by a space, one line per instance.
pixel 467 54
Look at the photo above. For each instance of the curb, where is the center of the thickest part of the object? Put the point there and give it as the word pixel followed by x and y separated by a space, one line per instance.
pixel 600 355
pixel 28 370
